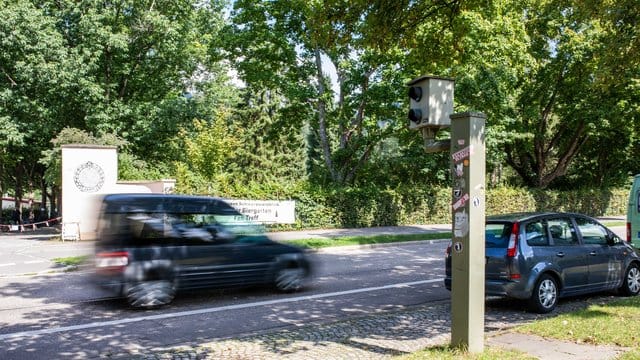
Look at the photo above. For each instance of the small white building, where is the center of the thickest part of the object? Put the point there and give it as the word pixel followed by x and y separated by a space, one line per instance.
pixel 88 172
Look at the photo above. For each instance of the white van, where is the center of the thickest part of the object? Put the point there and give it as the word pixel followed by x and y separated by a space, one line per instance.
pixel 633 213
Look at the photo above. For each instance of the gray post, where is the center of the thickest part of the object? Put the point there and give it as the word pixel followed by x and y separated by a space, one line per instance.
pixel 468 222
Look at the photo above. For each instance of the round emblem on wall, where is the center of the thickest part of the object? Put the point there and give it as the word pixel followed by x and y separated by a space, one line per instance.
pixel 89 177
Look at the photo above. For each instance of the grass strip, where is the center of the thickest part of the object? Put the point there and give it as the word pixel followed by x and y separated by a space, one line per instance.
pixel 612 323
pixel 71 260
pixel 317 243
pixel 451 353
pixel 616 322
pixel 614 223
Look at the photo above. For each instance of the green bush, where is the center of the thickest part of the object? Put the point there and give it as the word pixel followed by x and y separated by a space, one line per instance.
pixel 594 202
pixel 365 207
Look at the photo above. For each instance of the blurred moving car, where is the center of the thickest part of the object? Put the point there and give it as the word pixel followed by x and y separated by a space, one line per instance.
pixel 544 256
pixel 149 246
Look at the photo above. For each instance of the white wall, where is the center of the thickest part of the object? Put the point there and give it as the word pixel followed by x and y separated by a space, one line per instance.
pixel 88 173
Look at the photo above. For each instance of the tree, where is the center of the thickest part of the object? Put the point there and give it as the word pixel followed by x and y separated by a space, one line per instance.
pixel 292 49
pixel 35 73
pixel 544 74
pixel 576 98
pixel 131 68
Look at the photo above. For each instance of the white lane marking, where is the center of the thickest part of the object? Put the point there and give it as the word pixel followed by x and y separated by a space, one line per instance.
pixel 209 310
pixel 8 264
pixel 35 261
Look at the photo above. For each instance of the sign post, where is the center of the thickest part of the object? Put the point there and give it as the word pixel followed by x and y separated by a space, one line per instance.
pixel 468 222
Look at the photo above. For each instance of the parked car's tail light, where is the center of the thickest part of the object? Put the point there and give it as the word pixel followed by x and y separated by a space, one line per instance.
pixel 512 248
pixel 112 261
pixel 629 232
pixel 513 241
pixel 448 251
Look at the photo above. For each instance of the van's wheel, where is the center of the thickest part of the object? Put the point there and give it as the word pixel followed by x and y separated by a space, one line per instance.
pixel 631 281
pixel 150 294
pixel 289 279
pixel 545 295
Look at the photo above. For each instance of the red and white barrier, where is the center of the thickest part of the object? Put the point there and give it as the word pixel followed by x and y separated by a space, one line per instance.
pixel 32 226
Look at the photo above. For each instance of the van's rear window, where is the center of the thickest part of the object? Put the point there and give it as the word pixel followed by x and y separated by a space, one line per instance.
pixel 497 235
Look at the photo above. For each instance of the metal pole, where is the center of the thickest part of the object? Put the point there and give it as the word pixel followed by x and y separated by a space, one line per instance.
pixel 468 222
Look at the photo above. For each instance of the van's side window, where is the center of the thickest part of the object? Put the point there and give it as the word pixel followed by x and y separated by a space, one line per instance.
pixel 562 232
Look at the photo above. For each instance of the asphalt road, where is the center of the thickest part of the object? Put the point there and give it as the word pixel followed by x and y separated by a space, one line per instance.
pixel 61 316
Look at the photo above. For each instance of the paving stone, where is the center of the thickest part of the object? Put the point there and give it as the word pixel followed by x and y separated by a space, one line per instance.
pixel 377 336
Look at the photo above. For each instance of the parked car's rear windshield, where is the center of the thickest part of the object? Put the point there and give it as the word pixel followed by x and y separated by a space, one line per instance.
pixel 497 235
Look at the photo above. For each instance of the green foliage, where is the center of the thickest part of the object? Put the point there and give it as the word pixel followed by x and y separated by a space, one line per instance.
pixel 318 108
pixel 370 206
pixel 283 49
pixel 187 181
pixel 131 167
pixel 209 150
pixel 272 147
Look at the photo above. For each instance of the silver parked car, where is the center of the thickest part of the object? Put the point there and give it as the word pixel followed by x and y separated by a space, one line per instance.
pixel 541 257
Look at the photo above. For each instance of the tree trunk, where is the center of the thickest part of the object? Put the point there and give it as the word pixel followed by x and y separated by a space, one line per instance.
pixel 43 200
pixel 322 119
pixel 56 200
pixel 18 191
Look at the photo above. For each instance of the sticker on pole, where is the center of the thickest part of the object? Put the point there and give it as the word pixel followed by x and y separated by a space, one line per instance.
pixel 461 202
pixel 461 224
pixel 457 247
pixel 460 155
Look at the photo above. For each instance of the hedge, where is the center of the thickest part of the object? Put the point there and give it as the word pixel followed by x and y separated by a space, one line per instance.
pixel 368 207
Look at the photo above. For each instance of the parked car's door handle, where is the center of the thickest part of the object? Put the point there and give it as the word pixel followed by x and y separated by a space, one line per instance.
pixel 593 253
pixel 560 254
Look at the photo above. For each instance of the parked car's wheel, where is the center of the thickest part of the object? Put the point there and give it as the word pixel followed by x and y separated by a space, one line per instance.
pixel 631 282
pixel 150 294
pixel 289 279
pixel 545 295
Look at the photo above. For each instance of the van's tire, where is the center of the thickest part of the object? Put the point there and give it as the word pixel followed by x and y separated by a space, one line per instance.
pixel 544 297
pixel 289 279
pixel 150 293
pixel 631 281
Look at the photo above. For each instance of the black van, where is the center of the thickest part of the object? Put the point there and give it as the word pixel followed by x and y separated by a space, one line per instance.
pixel 149 246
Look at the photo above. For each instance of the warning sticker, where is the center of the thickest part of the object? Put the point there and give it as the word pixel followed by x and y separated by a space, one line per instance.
pixel 462 154
pixel 460 203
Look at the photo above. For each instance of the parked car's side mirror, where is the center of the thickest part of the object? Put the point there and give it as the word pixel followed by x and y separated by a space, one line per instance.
pixel 613 239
